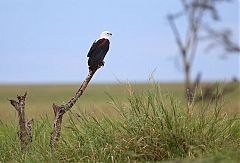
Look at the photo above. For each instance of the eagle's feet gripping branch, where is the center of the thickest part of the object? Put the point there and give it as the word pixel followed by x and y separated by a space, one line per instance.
pixel 101 64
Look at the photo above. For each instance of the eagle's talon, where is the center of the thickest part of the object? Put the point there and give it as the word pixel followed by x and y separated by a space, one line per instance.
pixel 102 63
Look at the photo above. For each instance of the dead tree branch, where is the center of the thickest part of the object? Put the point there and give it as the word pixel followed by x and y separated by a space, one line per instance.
pixel 59 111
pixel 222 38
pixel 25 133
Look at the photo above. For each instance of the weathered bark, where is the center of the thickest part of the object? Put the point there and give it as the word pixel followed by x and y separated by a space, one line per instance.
pixel 25 133
pixel 59 111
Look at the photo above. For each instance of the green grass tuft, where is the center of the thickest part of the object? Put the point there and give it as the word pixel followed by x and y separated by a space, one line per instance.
pixel 151 127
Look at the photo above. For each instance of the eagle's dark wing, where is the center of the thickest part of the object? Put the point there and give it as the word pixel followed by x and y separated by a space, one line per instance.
pixel 95 45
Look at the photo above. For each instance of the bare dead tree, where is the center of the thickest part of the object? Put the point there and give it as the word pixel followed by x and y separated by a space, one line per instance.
pixel 60 110
pixel 196 12
pixel 25 133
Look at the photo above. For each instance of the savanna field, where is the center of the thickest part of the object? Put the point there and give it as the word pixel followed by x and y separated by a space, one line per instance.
pixel 123 123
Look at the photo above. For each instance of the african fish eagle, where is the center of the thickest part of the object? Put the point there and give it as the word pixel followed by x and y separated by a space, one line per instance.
pixel 98 51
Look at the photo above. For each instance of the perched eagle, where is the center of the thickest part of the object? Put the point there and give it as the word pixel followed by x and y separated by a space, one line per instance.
pixel 98 51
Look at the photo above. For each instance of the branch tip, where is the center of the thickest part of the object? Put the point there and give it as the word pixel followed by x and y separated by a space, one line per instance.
pixel 25 94
pixel 14 104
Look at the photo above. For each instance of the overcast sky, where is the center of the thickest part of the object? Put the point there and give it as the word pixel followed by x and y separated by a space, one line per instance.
pixel 46 41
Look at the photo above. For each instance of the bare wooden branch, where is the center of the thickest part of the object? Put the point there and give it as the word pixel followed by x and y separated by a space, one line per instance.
pixel 59 111
pixel 223 38
pixel 25 133
pixel 176 33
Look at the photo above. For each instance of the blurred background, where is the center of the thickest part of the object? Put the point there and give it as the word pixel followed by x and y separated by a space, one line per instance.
pixel 47 41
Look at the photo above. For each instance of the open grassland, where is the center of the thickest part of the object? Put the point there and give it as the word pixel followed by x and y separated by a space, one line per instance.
pixel 124 123
pixel 95 99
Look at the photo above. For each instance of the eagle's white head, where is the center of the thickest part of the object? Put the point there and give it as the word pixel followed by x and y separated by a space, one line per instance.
pixel 105 34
